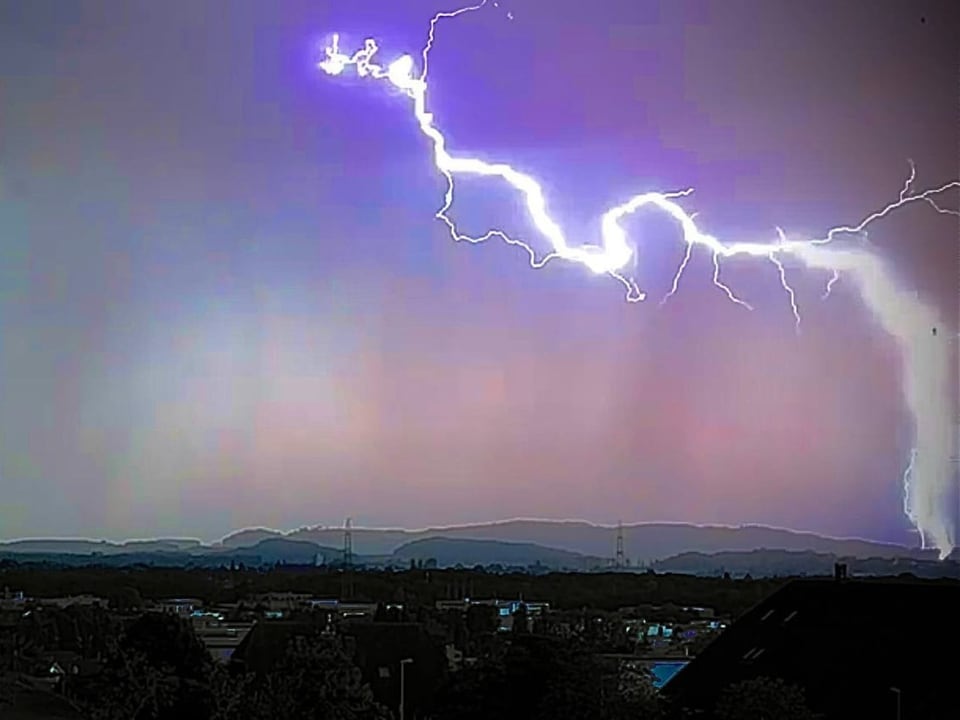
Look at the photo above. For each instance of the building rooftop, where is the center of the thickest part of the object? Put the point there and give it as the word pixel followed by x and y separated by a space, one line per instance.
pixel 849 643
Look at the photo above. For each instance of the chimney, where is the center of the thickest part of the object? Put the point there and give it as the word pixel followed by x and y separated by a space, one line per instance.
pixel 840 571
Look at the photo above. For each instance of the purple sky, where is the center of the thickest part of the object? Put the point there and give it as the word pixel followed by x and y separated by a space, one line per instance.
pixel 224 300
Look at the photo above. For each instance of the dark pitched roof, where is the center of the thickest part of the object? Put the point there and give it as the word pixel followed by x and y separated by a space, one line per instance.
pixel 846 642
pixel 263 647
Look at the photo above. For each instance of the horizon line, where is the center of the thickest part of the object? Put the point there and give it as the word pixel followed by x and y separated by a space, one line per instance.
pixel 461 526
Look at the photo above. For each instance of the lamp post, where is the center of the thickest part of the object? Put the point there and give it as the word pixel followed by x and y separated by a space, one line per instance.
pixel 403 684
pixel 894 690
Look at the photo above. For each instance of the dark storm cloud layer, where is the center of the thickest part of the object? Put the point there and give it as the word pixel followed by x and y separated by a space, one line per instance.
pixel 224 300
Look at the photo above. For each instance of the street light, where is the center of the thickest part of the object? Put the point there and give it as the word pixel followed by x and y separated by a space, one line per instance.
pixel 893 690
pixel 403 684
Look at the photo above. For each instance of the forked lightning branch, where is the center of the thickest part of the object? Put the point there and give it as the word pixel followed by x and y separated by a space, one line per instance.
pixel 930 475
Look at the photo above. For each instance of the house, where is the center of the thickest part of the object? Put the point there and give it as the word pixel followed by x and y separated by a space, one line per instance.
pixel 284 602
pixel 183 607
pixel 859 649
pixel 288 604
pixel 505 609
pixel 13 599
pixel 356 611
pixel 74 600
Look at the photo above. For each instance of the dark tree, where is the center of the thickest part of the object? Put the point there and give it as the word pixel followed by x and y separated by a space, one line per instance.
pixel 315 680
pixel 157 670
pixel 129 688
pixel 535 678
pixel 481 619
pixel 125 599
pixel 168 641
pixel 231 694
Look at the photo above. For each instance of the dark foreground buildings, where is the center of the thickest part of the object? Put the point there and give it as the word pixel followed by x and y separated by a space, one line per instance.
pixel 859 648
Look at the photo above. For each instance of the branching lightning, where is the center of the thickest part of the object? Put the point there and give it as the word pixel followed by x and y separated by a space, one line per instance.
pixel 928 478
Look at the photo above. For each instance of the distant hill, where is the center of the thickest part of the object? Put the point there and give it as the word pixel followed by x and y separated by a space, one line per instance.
pixel 161 545
pixel 251 536
pixel 105 547
pixel 292 552
pixel 451 551
pixel 554 544
pixel 644 543
pixel 80 547
pixel 368 541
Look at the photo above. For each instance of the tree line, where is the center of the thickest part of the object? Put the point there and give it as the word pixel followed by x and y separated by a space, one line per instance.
pixel 602 591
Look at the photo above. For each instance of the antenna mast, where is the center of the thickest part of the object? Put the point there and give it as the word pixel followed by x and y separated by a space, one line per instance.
pixel 619 561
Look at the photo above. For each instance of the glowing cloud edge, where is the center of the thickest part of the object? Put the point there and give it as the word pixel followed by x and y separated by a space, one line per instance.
pixel 929 476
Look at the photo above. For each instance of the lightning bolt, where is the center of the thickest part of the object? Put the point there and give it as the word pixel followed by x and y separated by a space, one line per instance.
pixel 926 374
pixel 908 185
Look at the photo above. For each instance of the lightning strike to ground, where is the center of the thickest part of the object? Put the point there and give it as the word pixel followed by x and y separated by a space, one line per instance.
pixel 929 477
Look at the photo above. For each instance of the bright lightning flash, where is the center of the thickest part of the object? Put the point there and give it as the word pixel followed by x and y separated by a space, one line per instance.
pixel 929 476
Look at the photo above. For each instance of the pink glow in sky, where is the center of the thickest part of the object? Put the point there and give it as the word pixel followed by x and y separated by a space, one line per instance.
pixel 225 301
